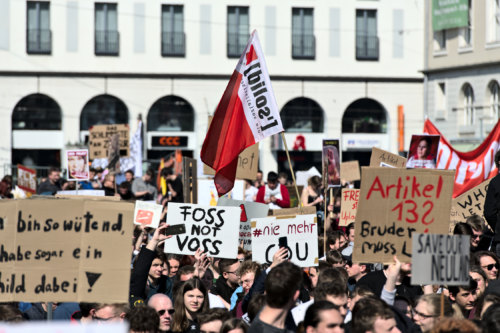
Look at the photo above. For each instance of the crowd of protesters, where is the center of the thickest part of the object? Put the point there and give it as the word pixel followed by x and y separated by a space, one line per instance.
pixel 199 293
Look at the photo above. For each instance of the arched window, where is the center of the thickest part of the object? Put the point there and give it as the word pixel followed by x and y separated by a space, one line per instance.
pixel 493 90
pixel 103 110
pixel 171 113
pixel 364 116
pixel 36 112
pixel 302 115
pixel 468 104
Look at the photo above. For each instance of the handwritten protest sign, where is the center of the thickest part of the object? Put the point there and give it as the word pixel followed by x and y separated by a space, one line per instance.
pixel 440 259
pixel 64 327
pixel 249 211
pixel 468 204
pixel 349 171
pixel 99 140
pixel 213 229
pixel 393 204
pixel 248 163
pixel 26 179
pixel 382 158
pixel 299 233
pixel 147 214
pixel 207 193
pixel 64 250
pixel 349 206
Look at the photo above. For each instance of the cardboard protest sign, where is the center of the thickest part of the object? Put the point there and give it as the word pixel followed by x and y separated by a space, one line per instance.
pixel 64 327
pixel 249 211
pixel 440 259
pixel 99 140
pixel 293 211
pixel 91 196
pixel 78 164
pixel 63 250
pixel 213 229
pixel 348 206
pixel 331 163
pixel 393 204
pixel 207 193
pixel 26 179
pixel 248 164
pixel 147 214
pixel 299 233
pixel 349 171
pixel 471 202
pixel 423 151
pixel 382 158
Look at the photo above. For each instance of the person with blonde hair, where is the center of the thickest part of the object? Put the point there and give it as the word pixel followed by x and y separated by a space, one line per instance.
pixel 428 309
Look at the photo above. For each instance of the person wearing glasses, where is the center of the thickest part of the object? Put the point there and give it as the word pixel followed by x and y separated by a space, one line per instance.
pixel 191 300
pixel 229 280
pixel 488 261
pixel 427 311
pixel 162 304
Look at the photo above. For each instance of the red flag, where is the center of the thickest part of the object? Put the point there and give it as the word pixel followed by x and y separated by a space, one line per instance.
pixel 246 114
pixel 473 167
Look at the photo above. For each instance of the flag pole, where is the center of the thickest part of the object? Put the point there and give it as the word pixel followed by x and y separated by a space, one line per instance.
pixel 291 169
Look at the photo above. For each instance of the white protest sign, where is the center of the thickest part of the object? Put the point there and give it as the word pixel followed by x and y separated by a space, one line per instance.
pixel 64 327
pixel 300 233
pixel 440 259
pixel 213 229
pixel 249 211
pixel 207 193
pixel 147 214
pixel 95 193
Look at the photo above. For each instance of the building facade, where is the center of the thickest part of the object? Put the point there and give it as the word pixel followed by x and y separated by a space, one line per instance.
pixel 462 71
pixel 339 69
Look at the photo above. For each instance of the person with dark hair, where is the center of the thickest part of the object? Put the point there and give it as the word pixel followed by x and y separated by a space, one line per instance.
pixel 9 312
pixel 191 300
pixel 256 303
pixel 142 188
pixel 228 281
pixel 491 208
pixel 488 261
pixel 334 239
pixel 52 184
pixel 462 228
pixel 371 314
pixel 349 233
pixel 174 262
pixel 477 274
pixel 125 192
pixel 334 258
pixel 422 157
pixel 323 317
pixel 311 195
pixel 162 304
pixel 174 185
pixel 234 325
pixel 490 321
pixel 274 194
pixel 142 319
pixel 147 278
pixel 478 240
pixel 211 321
pixel 282 288
pixel 465 298
pixel 259 179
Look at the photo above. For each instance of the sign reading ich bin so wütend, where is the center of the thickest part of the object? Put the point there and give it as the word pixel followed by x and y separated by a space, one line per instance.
pixel 394 203
pixel 440 259
pixel 213 229
pixel 65 250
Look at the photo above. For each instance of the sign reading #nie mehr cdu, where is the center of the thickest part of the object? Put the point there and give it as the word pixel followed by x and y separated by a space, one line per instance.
pixel 447 14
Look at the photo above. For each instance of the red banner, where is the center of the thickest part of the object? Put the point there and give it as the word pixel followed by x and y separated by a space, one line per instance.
pixel 473 167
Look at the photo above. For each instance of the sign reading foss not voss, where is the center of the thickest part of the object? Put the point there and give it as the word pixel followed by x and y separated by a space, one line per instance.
pixel 394 203
pixel 63 250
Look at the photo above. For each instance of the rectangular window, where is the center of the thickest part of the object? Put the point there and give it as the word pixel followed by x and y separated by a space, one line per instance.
pixel 440 100
pixel 107 38
pixel 238 26
pixel 367 44
pixel 439 40
pixel 465 33
pixel 38 34
pixel 173 39
pixel 493 17
pixel 303 41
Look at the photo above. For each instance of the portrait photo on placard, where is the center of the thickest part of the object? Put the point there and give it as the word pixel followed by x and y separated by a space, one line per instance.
pixel 78 166
pixel 331 163
pixel 423 151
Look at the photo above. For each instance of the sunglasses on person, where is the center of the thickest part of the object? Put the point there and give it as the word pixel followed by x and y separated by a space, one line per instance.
pixel 162 312
pixel 490 266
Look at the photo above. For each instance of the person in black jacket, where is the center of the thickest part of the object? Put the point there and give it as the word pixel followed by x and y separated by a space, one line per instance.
pixel 147 278
pixel 492 204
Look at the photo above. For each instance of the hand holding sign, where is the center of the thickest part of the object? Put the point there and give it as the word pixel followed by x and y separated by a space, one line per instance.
pixel 158 237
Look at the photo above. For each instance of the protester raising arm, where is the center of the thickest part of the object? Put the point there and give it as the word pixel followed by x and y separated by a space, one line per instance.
pixel 389 290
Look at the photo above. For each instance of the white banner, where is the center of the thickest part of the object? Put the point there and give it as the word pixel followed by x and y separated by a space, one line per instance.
pixel 213 229
pixel 300 234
